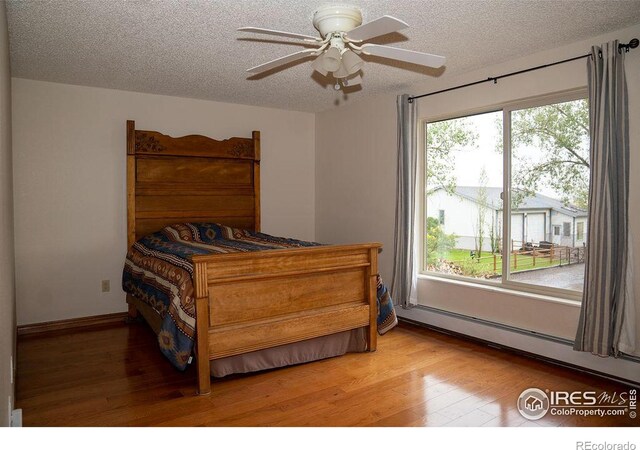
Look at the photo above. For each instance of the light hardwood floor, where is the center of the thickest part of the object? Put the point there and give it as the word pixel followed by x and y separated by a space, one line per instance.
pixel 116 376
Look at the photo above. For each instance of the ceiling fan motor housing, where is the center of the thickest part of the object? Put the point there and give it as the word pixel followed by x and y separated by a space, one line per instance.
pixel 336 18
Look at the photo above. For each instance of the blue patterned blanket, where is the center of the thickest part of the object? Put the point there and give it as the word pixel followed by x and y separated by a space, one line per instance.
pixel 158 270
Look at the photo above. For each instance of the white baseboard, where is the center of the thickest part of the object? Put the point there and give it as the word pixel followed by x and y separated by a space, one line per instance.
pixel 554 349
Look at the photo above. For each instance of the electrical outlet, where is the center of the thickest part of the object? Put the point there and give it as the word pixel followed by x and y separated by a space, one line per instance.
pixel 106 285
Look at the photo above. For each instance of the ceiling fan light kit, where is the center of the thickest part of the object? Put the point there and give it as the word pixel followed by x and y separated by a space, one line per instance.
pixel 342 33
pixel 351 62
pixel 318 66
pixel 332 59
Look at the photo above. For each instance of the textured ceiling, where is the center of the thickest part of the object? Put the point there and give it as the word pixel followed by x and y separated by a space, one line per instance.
pixel 192 49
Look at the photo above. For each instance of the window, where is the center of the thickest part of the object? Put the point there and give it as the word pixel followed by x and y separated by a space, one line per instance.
pixel 580 231
pixel 516 229
pixel 464 177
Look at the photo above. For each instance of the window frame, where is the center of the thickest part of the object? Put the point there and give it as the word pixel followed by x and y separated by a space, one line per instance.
pixel 421 207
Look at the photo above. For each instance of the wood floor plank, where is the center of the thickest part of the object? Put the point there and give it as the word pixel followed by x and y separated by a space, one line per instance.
pixel 474 418
pixel 115 376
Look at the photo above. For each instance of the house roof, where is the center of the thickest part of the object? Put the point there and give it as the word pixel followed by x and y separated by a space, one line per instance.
pixel 537 201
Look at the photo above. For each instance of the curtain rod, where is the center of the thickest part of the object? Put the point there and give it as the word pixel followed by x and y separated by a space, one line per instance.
pixel 633 43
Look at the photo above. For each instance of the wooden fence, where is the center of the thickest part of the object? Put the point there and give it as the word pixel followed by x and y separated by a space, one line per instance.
pixel 522 259
pixel 556 256
pixel 559 255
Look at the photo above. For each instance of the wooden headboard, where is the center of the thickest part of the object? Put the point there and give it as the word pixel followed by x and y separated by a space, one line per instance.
pixel 190 179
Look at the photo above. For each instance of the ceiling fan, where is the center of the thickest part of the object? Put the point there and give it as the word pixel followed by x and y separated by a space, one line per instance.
pixel 343 34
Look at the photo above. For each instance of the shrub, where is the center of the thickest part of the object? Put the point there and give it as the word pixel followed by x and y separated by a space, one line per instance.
pixel 438 242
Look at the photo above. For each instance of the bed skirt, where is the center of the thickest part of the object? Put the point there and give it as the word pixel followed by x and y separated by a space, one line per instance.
pixel 289 354
pixel 270 358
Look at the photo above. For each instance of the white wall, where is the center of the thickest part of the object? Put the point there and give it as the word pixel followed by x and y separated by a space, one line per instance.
pixel 356 176
pixel 7 275
pixel 356 154
pixel 69 170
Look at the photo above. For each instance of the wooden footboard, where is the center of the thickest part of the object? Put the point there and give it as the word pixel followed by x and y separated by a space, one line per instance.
pixel 251 301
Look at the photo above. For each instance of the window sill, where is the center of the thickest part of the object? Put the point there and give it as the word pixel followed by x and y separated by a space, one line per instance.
pixel 501 290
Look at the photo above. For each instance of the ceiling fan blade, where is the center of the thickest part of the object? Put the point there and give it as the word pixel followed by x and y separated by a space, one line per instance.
pixel 283 60
pixel 378 27
pixel 280 33
pixel 400 54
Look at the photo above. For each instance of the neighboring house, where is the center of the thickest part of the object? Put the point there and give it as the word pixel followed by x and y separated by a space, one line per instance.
pixel 537 218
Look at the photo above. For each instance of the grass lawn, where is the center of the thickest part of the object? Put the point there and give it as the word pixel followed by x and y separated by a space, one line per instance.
pixel 485 265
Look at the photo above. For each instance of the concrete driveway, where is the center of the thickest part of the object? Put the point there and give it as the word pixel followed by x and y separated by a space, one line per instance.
pixel 565 277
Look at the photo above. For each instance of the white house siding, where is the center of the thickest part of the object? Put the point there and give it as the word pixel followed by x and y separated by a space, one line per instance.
pixel 559 219
pixel 530 226
pixel 461 218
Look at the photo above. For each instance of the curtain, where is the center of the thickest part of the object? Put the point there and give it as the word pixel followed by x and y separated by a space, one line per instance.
pixel 604 307
pixel 404 283
pixel 630 334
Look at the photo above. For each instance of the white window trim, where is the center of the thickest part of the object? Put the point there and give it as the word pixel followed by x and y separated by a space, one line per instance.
pixel 580 233
pixel 556 294
pixel 495 287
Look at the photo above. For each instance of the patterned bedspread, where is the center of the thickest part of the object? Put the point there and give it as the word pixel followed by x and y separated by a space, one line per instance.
pixel 158 270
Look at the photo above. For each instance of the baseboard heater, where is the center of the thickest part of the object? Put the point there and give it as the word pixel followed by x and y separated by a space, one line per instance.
pixel 416 310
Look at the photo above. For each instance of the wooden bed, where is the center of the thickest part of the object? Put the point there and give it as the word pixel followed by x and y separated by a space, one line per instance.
pixel 244 301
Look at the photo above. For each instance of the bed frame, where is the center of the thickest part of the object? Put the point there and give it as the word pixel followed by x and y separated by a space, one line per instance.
pixel 244 301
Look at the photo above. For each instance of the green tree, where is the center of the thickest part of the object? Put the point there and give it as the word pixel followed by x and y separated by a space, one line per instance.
pixel 495 233
pixel 483 207
pixel 438 242
pixel 560 133
pixel 444 138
